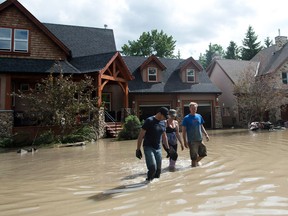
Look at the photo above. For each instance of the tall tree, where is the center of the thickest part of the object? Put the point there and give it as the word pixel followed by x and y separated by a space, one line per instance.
pixel 154 42
pixel 268 42
pixel 232 51
pixel 213 50
pixel 257 95
pixel 250 45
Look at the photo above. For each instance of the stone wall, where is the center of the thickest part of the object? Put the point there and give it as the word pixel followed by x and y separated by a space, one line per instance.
pixel 99 122
pixel 218 118
pixel 6 123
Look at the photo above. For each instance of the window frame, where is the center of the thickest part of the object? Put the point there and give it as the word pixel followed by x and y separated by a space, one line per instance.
pixel 20 40
pixel 188 70
pixel 15 41
pixel 284 79
pixel 149 75
pixel 9 39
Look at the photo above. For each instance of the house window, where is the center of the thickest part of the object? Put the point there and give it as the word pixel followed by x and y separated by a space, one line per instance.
pixel 5 39
pixel 190 75
pixel 152 74
pixel 285 78
pixel 24 87
pixel 21 40
pixel 106 99
pixel 15 40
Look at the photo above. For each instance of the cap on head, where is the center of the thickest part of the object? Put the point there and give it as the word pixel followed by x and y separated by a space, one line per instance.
pixel 172 113
pixel 164 111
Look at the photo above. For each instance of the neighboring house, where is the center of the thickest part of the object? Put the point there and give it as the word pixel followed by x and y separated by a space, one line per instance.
pixel 224 74
pixel 173 83
pixel 274 60
pixel 29 51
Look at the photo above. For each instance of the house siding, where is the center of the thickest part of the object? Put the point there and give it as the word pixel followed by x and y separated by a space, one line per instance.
pixel 40 45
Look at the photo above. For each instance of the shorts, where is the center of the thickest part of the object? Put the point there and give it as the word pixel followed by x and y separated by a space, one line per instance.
pixel 197 149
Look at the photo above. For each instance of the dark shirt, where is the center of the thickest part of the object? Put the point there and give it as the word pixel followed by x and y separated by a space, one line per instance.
pixel 154 130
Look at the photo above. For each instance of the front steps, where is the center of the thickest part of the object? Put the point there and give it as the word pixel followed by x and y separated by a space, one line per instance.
pixel 113 129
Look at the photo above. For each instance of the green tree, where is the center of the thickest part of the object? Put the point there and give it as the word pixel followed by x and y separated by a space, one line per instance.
pixel 149 43
pixel 57 100
pixel 232 51
pixel 213 50
pixel 268 42
pixel 250 45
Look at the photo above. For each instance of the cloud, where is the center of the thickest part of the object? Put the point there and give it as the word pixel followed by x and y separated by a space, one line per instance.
pixel 192 24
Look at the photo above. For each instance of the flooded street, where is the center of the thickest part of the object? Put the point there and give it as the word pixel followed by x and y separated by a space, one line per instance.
pixel 245 173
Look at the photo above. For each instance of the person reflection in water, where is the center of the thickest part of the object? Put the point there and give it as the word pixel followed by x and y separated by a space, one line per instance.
pixel 152 132
pixel 192 129
pixel 172 131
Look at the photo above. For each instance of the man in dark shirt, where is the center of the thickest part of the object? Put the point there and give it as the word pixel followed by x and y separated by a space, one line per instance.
pixel 153 132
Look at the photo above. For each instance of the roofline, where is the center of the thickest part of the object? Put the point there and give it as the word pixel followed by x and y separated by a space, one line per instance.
pixel 31 17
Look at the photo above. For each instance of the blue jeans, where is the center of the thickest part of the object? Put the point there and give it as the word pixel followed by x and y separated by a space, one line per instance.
pixel 153 159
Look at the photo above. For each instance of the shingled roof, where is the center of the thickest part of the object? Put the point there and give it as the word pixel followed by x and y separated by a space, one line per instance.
pixel 233 68
pixel 84 41
pixel 270 59
pixel 18 65
pixel 172 82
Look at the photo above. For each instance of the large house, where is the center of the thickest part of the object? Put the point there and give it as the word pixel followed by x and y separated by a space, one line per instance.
pixel 225 72
pixel 30 49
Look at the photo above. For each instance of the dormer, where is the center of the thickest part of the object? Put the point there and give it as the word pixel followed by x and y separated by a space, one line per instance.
pixel 189 70
pixel 152 70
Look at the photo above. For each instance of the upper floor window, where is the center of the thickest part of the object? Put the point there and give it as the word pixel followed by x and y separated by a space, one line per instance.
pixel 285 78
pixel 15 40
pixel 152 74
pixel 190 75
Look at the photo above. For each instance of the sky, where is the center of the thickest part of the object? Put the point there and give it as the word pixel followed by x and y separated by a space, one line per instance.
pixel 192 24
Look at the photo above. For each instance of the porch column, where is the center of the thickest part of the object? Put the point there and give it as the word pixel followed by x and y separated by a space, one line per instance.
pixel 8 97
pixel 99 90
pixel 126 95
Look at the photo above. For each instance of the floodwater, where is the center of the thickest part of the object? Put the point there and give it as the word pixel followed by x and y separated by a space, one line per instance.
pixel 245 173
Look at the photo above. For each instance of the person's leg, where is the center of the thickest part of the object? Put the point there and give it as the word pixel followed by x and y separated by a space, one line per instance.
pixel 158 158
pixel 172 163
pixel 150 162
pixel 193 148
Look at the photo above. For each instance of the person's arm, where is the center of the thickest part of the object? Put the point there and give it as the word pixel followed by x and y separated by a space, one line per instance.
pixel 184 136
pixel 205 133
pixel 178 135
pixel 140 138
pixel 165 140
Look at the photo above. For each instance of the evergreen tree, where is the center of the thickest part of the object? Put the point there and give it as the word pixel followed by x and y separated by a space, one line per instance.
pixel 250 45
pixel 213 50
pixel 232 51
pixel 268 42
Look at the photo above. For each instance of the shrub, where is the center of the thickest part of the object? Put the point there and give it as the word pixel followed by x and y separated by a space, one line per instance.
pixel 81 134
pixel 131 128
pixel 45 138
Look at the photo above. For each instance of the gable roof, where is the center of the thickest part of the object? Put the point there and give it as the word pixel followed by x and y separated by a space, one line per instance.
pixel 270 59
pixel 186 62
pixel 233 68
pixel 171 83
pixel 84 41
pixel 33 19
pixel 150 59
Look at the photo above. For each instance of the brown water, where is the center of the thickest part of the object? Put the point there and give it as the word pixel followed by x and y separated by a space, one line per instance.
pixel 245 173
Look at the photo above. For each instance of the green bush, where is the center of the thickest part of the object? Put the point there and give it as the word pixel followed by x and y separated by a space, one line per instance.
pixel 81 134
pixel 45 138
pixel 131 128
pixel 6 142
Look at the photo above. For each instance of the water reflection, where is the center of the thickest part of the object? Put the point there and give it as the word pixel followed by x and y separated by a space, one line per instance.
pixel 244 174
